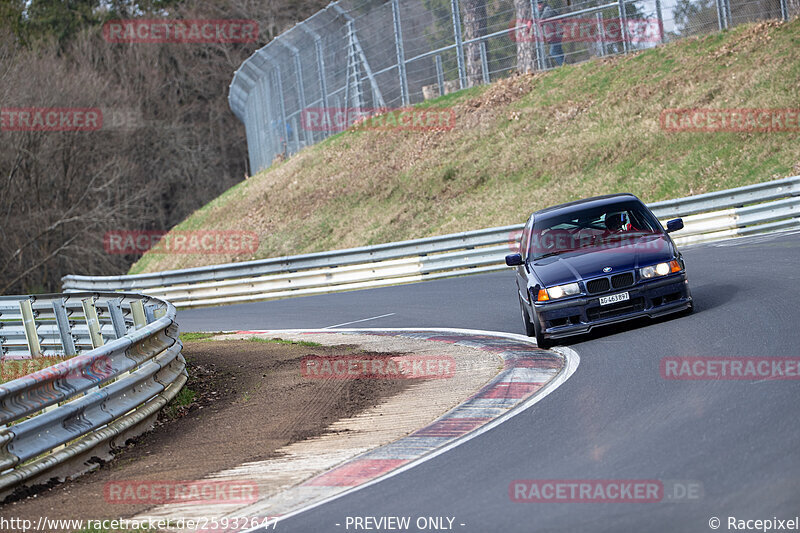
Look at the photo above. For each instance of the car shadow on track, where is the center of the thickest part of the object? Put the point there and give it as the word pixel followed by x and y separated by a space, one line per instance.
pixel 705 298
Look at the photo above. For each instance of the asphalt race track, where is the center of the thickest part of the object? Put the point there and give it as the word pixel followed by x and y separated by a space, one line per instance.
pixel 615 418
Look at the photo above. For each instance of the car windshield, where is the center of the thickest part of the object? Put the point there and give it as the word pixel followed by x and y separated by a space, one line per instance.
pixel 600 227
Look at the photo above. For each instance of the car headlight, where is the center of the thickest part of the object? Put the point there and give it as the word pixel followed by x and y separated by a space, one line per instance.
pixel 559 291
pixel 661 269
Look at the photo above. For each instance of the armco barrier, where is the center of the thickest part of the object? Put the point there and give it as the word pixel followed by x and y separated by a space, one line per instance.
pixel 120 364
pixel 759 208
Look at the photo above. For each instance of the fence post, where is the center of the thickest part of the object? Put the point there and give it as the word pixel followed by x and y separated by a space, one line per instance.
pixel 29 324
pixel 539 46
pixel 623 24
pixel 359 54
pixel 784 11
pixel 92 321
pixel 660 16
pixel 64 331
pixel 484 63
pixel 439 74
pixel 462 72
pixel 601 32
pixel 276 72
pixel 320 57
pixel 301 90
pixel 728 16
pixel 401 55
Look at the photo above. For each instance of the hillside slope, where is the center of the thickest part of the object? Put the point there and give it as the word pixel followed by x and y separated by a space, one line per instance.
pixel 524 143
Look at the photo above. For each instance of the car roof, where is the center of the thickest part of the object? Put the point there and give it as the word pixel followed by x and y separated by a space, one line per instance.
pixel 588 203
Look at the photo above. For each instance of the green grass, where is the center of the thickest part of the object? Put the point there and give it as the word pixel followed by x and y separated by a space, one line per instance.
pixel 282 341
pixel 184 398
pixel 197 336
pixel 522 144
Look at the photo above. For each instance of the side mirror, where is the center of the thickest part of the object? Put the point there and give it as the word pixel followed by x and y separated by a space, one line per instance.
pixel 674 225
pixel 513 260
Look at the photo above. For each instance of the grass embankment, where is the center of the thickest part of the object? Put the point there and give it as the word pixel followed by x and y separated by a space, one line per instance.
pixel 524 143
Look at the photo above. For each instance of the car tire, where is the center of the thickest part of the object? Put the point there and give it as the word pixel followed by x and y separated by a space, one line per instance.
pixel 532 328
pixel 530 331
pixel 541 341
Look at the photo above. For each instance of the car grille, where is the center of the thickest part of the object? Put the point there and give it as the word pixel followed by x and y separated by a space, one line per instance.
pixel 622 280
pixel 617 281
pixel 597 285
pixel 621 308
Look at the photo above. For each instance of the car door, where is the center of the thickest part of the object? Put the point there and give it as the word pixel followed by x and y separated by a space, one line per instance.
pixel 521 272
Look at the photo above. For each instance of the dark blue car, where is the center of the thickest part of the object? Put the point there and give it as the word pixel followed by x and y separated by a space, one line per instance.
pixel 595 262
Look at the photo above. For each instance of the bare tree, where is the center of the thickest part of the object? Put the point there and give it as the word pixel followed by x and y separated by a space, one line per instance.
pixel 474 18
pixel 524 38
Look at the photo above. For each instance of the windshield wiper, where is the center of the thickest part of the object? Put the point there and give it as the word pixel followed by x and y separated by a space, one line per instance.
pixel 550 254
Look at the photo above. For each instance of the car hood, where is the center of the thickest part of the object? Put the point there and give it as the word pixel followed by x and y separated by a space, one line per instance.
pixel 587 263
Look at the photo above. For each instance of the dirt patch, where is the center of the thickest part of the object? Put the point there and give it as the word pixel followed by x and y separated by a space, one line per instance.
pixel 249 400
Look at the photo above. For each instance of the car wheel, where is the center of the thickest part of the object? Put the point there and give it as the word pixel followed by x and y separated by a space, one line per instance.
pixel 541 341
pixel 530 331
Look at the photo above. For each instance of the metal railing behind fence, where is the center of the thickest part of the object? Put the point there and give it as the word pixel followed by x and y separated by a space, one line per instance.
pixel 760 208
pixel 117 363
pixel 356 57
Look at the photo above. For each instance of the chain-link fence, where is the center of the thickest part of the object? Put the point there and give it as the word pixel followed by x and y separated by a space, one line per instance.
pixel 357 57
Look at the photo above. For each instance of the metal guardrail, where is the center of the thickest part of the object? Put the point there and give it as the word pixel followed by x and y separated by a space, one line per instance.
pixel 763 207
pixel 122 364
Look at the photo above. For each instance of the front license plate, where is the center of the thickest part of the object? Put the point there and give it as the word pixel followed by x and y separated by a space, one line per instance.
pixel 614 298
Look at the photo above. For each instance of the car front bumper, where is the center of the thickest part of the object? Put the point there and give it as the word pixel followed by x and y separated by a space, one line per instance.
pixel 647 299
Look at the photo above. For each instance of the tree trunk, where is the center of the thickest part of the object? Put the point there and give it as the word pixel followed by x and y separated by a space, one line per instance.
pixel 524 38
pixel 474 19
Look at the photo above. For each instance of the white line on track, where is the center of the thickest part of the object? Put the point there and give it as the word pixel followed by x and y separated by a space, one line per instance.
pixel 357 321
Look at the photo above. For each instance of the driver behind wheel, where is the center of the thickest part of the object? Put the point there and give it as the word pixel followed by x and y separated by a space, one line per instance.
pixel 617 222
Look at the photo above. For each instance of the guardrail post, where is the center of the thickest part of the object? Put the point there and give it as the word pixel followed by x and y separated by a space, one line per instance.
pixel 64 330
pixel 401 56
pixel 29 323
pixel 117 320
pixel 439 74
pixel 150 313
pixel 462 73
pixel 139 316
pixel 92 321
pixel 484 63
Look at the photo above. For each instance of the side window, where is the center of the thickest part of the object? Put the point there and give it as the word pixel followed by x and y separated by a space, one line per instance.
pixel 525 239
